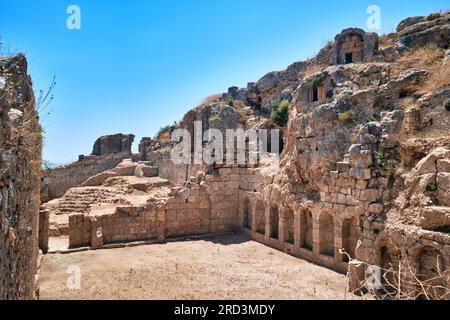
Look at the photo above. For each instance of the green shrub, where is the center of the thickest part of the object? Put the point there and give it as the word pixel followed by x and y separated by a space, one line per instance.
pixel 317 80
pixel 163 130
pixel 329 45
pixel 432 186
pixel 330 93
pixel 215 120
pixel 280 113
pixel 230 101
pixel 383 162
pixel 348 116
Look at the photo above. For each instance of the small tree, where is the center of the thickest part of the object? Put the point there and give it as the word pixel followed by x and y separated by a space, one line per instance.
pixel 280 113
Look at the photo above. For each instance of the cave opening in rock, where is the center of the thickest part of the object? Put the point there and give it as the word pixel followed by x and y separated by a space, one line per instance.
pixel 349 57
pixel 306 230
pixel 260 217
pixel 274 222
pixel 247 214
pixel 289 232
pixel 350 237
pixel 326 231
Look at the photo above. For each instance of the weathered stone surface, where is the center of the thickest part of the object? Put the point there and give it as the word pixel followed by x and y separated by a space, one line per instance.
pixel 20 159
pixel 420 31
pixel 118 143
pixel 376 208
pixel 443 165
pixel 363 46
pixel 350 176
pixel 125 168
pixel 443 188
pixel 57 181
pixel 446 104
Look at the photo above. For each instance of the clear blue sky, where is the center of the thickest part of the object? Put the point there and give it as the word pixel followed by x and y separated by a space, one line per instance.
pixel 138 65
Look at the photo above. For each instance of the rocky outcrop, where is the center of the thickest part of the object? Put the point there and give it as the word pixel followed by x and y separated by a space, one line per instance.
pixel 113 144
pixel 363 175
pixel 419 31
pixel 20 161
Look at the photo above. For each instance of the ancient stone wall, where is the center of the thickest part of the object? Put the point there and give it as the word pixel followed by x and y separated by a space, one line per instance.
pixel 20 161
pixel 57 181
pixel 113 144
pixel 195 209
pixel 354 46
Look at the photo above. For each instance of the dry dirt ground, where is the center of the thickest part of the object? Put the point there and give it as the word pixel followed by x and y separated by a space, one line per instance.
pixel 222 267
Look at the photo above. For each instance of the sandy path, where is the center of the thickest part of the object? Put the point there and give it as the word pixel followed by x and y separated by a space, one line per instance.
pixel 223 267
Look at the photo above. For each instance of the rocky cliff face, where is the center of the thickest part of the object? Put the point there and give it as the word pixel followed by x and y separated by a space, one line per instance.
pixel 113 144
pixel 364 166
pixel 20 161
pixel 363 177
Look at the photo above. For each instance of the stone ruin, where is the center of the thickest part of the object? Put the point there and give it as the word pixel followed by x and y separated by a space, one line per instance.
pixel 347 195
pixel 354 46
pixel 113 144
pixel 20 152
pixel 360 184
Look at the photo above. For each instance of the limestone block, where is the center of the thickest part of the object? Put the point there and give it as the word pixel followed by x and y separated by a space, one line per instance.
pixel 343 166
pixel 354 151
pixel 361 184
pixel 334 175
pixel 428 164
pixel 435 217
pixel 443 192
pixel 341 198
pixel 356 193
pixel 350 200
pixel 370 195
pixel 361 173
pixel 376 208
pixel 443 165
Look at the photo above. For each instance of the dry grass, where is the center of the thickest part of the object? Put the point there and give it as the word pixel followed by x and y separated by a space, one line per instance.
pixel 409 103
pixel 26 134
pixel 432 133
pixel 438 80
pixel 385 41
pixel 402 281
pixel 427 58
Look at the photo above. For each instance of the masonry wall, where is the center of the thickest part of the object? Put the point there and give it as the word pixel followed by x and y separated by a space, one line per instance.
pixel 57 181
pixel 20 160
pixel 195 209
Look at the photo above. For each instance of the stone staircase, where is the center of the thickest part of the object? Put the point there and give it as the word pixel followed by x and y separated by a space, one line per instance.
pixel 78 200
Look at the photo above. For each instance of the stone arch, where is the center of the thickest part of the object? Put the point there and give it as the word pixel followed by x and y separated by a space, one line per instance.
pixel 288 222
pixel 274 221
pixel 326 234
pixel 260 216
pixel 247 214
pixel 389 258
pixel 431 271
pixel 306 230
pixel 350 237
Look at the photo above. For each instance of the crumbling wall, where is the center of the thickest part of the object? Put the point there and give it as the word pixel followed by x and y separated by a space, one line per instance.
pixel 201 206
pixel 20 160
pixel 56 182
pixel 113 144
